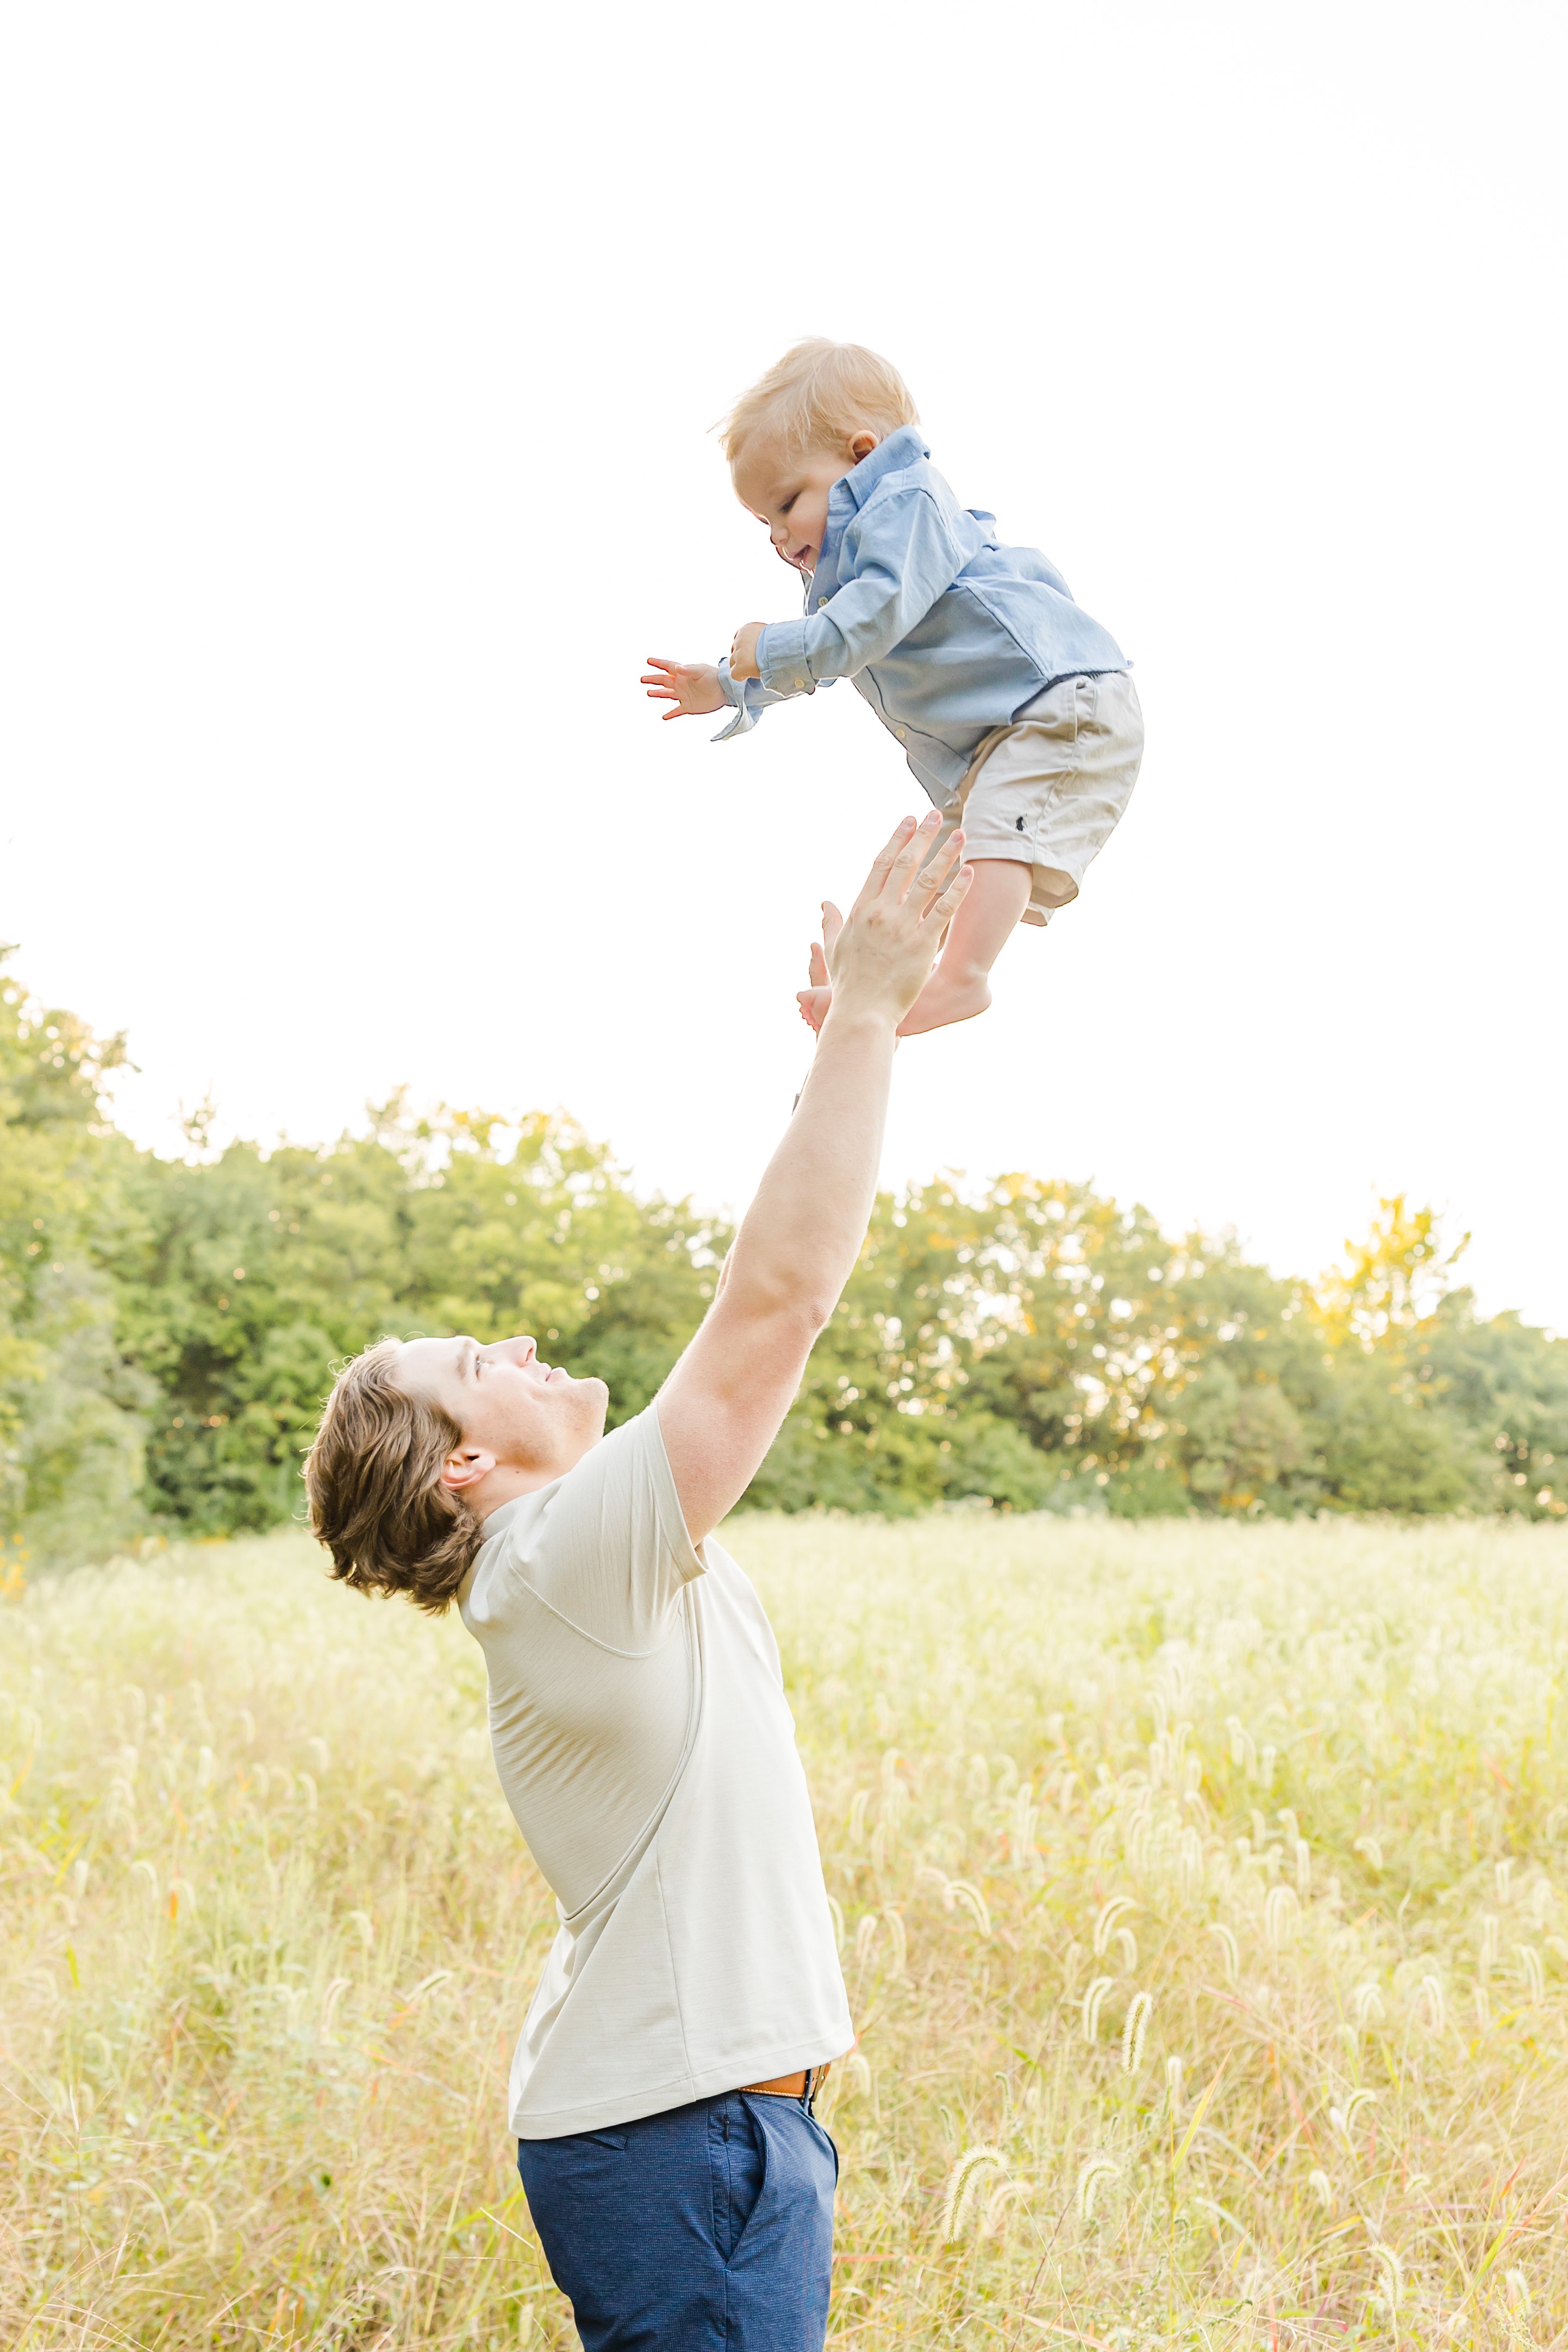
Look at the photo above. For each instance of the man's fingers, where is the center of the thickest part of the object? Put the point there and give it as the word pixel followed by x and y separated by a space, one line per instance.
pixel 903 832
pixel 938 872
pixel 907 863
pixel 944 909
pixel 882 864
pixel 818 965
pixel 893 872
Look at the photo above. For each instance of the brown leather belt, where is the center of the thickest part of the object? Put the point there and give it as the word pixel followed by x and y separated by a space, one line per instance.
pixel 807 2082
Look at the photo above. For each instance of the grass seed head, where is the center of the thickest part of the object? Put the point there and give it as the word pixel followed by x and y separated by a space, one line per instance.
pixel 1093 2003
pixel 1391 2272
pixel 962 2183
pixel 1091 2173
pixel 1134 2026
pixel 1430 2002
pixel 964 1894
pixel 1530 1971
pixel 1109 1913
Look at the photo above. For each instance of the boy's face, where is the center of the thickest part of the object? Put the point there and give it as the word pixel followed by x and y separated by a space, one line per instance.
pixel 787 490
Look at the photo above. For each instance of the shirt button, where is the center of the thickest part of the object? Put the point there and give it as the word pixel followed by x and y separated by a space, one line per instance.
pixel 800 682
pixel 900 733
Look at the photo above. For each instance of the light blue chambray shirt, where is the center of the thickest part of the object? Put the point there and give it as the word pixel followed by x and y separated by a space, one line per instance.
pixel 946 633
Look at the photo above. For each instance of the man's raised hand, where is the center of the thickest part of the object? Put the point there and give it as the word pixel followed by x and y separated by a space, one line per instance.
pixel 692 686
pixel 879 960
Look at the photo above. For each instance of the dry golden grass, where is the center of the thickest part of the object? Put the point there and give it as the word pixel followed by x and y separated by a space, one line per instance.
pixel 1202 1894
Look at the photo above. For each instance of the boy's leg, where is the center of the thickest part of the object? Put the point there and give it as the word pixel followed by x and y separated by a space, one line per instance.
pixel 961 985
pixel 1053 786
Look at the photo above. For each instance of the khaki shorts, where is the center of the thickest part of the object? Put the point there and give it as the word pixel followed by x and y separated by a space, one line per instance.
pixel 1050 789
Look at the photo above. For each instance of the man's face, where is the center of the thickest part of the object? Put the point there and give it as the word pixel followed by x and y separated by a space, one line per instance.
pixel 789 493
pixel 526 1415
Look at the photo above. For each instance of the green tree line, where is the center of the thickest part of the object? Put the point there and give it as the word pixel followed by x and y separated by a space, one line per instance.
pixel 168 1328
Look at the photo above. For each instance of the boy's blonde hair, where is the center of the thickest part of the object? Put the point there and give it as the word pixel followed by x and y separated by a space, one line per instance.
pixel 819 396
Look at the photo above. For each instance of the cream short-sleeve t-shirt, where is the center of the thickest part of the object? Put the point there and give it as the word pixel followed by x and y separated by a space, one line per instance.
pixel 643 1742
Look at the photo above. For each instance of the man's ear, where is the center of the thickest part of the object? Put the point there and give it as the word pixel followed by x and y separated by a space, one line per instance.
pixel 863 443
pixel 465 1466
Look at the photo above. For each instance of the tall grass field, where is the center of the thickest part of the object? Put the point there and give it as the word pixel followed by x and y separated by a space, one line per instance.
pixel 1203 1900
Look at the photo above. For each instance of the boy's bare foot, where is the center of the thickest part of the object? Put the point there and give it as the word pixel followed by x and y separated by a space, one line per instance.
pixel 944 1000
pixel 939 1003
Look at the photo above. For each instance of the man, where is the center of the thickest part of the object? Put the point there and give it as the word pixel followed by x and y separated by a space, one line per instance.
pixel 662 2088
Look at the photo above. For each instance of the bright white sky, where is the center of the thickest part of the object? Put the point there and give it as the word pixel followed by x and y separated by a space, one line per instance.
pixel 360 364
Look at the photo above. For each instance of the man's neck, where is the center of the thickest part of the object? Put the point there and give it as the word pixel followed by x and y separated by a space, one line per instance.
pixel 508 1481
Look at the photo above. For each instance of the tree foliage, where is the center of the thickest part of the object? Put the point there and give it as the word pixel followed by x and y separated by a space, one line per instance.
pixel 168 1328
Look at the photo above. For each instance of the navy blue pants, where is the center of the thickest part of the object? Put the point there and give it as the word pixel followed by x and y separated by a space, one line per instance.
pixel 710 2225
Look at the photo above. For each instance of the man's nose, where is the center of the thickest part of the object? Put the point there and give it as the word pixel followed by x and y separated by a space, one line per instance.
pixel 521 1350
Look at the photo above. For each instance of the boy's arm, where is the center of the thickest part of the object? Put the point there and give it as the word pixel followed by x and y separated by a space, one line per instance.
pixel 906 553
pixel 696 688
pixel 748 699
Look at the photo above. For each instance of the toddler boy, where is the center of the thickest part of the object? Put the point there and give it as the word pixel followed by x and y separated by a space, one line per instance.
pixel 1014 707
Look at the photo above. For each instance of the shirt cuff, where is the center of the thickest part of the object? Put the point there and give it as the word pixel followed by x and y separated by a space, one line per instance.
pixel 781 658
pixel 734 694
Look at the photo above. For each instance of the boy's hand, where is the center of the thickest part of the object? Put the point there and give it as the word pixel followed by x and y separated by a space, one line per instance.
pixel 692 686
pixel 743 652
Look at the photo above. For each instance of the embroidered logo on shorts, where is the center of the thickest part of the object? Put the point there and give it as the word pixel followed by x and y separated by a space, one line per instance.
pixel 1019 822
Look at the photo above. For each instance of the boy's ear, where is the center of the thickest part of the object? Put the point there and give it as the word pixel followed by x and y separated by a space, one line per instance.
pixel 465 1466
pixel 862 444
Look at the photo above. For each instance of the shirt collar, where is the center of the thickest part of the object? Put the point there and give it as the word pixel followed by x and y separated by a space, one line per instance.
pixel 901 449
pixel 497 1521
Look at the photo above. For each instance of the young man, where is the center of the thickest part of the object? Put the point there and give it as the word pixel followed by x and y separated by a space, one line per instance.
pixel 662 2089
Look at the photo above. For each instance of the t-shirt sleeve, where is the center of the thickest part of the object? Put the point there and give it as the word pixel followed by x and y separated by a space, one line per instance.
pixel 610 1552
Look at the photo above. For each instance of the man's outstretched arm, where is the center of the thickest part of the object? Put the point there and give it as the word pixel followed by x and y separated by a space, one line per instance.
pixel 721 1407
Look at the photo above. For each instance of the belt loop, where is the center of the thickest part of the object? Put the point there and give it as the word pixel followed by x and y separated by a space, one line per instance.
pixel 809 2098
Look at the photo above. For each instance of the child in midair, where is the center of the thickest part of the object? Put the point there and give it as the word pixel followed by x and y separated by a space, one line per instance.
pixel 1014 709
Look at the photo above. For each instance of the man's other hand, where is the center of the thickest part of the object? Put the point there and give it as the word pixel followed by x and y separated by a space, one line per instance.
pixel 692 686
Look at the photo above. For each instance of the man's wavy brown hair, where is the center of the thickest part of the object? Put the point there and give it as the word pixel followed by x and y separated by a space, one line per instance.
pixel 373 1477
